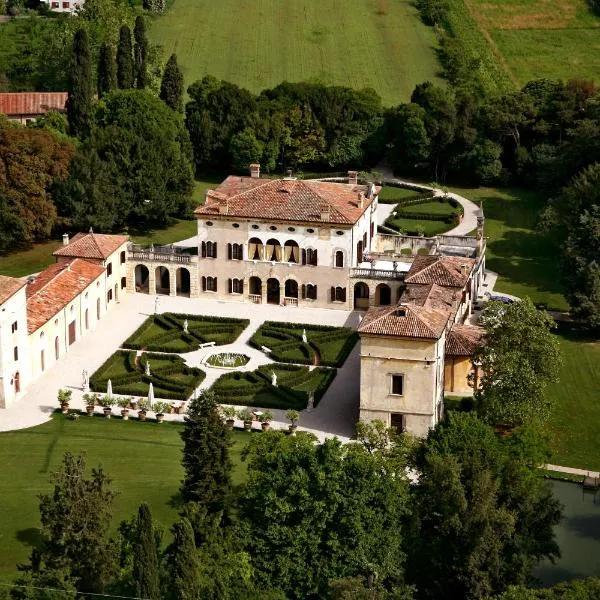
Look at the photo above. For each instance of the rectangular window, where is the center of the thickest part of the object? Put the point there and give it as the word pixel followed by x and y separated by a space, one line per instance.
pixel 123 257
pixel 109 269
pixel 66 5
pixel 235 251
pixel 16 353
pixel 398 422
pixel 397 385
pixel 55 5
pixel 209 284
pixel 14 326
pixel 209 250
pixel 236 286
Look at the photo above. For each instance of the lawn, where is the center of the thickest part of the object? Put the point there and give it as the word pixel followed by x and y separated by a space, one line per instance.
pixel 380 44
pixel 407 221
pixel 165 332
pixel 293 382
pixel 537 39
pixel 526 260
pixel 392 195
pixel 324 345
pixel 143 459
pixel 171 378
pixel 575 435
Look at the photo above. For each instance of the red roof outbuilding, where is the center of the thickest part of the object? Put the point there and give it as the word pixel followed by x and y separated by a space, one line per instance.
pixel 32 103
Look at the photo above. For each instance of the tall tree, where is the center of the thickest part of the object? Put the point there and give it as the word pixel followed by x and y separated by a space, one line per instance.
pixel 140 53
pixel 482 515
pixel 107 71
pixel 125 68
pixel 519 361
pixel 171 86
pixel 76 518
pixel 183 563
pixel 145 559
pixel 206 462
pixel 81 90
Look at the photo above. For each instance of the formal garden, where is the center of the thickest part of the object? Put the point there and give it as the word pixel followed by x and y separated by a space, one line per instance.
pixel 299 343
pixel 179 333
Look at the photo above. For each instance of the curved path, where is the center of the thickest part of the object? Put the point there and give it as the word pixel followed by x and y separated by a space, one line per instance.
pixel 468 223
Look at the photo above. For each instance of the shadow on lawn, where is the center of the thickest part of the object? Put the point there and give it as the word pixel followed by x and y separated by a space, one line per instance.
pixel 30 537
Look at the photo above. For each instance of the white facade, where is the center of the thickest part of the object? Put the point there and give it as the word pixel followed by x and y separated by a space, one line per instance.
pixel 64 6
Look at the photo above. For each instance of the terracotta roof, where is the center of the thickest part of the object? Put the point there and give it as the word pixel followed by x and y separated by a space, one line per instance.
pixel 92 245
pixel 9 286
pixel 55 287
pixel 463 340
pixel 446 271
pixel 405 320
pixel 287 200
pixel 431 295
pixel 32 103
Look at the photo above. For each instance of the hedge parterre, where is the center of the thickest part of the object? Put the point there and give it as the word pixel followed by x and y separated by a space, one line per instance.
pixel 165 332
pixel 327 346
pixel 171 378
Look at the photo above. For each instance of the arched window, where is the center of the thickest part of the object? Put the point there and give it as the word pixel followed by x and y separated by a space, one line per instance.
pixel 209 284
pixel 235 252
pixel 255 249
pixel 338 294
pixel 339 258
pixel 291 252
pixel 309 257
pixel 236 286
pixel 273 251
pixel 291 289
pixel 209 249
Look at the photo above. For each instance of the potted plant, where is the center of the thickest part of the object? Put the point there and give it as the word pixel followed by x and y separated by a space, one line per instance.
pixel 159 409
pixel 124 403
pixel 134 403
pixel 229 413
pixel 64 397
pixel 107 402
pixel 265 419
pixel 90 402
pixel 293 417
pixel 142 409
pixel 180 408
pixel 247 417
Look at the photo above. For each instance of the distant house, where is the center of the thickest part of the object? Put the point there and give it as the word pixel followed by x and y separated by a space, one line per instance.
pixel 63 6
pixel 25 107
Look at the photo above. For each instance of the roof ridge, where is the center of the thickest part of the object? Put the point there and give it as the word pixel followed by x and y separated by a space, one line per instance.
pixel 60 268
pixel 266 182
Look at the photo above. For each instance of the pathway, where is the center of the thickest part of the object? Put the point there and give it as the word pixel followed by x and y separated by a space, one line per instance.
pixel 572 471
pixel 336 414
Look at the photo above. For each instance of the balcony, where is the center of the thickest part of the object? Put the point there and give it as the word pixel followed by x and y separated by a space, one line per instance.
pixel 384 274
pixel 255 298
pixel 172 254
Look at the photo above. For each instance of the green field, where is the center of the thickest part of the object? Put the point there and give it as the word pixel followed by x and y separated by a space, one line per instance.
pixel 143 459
pixel 380 44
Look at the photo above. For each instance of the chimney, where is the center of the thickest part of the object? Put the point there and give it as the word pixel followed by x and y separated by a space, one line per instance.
pixel 361 200
pixel 325 209
pixel 352 177
pixel 464 269
pixel 255 171
pixel 65 239
pixel 223 206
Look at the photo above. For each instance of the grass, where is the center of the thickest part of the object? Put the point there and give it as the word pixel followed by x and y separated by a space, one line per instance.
pixel 391 195
pixel 324 346
pixel 165 332
pixel 536 39
pixel 32 260
pixel 143 459
pixel 575 436
pixel 528 262
pixel 358 43
pixel 291 392
pixel 222 360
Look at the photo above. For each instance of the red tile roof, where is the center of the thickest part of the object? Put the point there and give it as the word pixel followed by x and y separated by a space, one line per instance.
pixel 287 200
pixel 463 340
pixel 55 287
pixel 431 295
pixel 9 286
pixel 405 320
pixel 92 245
pixel 446 271
pixel 32 103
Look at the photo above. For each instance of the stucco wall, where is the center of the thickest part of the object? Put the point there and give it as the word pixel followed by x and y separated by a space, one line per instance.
pixel 456 371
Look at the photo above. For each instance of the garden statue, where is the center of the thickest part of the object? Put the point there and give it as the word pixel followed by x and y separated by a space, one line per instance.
pixel 304 339
pixel 156 305
pixel 311 401
pixel 185 326
pixel 147 371
pixel 273 379
pixel 86 381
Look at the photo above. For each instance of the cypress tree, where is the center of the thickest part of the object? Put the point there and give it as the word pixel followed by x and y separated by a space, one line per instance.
pixel 140 53
pixel 183 563
pixel 171 87
pixel 124 59
pixel 79 103
pixel 206 462
pixel 145 561
pixel 107 72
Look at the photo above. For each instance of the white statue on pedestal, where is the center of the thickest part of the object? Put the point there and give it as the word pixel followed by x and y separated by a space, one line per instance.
pixel 185 326
pixel 311 401
pixel 147 371
pixel 85 381
pixel 304 338
pixel 273 379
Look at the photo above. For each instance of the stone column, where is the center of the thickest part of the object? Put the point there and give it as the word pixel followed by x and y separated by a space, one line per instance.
pixel 172 281
pixel 263 288
pixel 152 280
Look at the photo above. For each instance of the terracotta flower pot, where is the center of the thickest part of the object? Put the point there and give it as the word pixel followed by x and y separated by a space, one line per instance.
pixel 134 405
pixel 142 415
pixel 64 408
pixel 247 425
pixel 265 426
pixel 90 411
pixel 108 412
pixel 229 423
pixel 160 418
pixel 125 414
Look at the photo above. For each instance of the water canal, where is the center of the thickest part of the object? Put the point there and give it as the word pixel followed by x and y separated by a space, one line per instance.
pixel 578 536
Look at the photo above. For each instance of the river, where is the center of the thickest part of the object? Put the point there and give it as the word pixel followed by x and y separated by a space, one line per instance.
pixel 578 536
